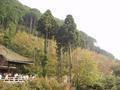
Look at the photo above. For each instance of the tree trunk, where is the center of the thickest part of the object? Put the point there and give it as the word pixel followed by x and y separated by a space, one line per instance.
pixel 70 64
pixel 46 44
pixel 31 23
pixel 59 66
pixel 44 62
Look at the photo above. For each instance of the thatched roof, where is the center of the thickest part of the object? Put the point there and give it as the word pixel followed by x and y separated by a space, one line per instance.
pixel 12 56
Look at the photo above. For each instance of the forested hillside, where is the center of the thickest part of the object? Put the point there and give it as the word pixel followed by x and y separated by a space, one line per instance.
pixel 14 15
pixel 57 47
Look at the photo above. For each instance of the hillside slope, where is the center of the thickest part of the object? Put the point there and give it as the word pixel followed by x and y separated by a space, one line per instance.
pixel 19 25
pixel 25 44
pixel 104 63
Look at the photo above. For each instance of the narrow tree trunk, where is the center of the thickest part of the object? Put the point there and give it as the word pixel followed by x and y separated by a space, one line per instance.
pixel 46 44
pixel 59 64
pixel 70 64
pixel 34 54
pixel 44 62
pixel 31 22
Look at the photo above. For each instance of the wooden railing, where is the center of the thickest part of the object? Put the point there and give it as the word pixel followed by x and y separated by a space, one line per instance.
pixel 14 80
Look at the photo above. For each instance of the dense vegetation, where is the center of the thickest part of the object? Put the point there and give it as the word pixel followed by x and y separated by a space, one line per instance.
pixel 14 15
pixel 58 49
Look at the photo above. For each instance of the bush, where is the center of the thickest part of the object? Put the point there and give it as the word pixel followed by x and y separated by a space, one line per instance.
pixel 45 84
pixel 39 84
pixel 55 85
pixel 87 73
pixel 36 84
pixel 108 82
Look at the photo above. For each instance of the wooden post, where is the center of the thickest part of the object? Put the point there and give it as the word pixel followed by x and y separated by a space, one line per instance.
pixel 8 67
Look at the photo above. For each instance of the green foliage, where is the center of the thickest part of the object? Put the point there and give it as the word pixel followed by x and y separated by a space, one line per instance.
pixel 32 47
pixel 39 84
pixel 87 72
pixel 25 44
pixel 59 22
pixel 13 12
pixel 108 82
pixel 7 39
pixel 44 62
pixel 36 12
pixel 10 12
pixel 9 35
pixel 45 84
pixel 30 19
pixel 65 38
pixel 116 70
pixel 67 32
pixel 117 83
pixel 47 24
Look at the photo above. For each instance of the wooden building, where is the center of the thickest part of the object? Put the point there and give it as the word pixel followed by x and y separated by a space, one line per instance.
pixel 9 60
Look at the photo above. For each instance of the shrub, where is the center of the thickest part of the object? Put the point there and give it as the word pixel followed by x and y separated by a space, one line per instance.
pixel 36 84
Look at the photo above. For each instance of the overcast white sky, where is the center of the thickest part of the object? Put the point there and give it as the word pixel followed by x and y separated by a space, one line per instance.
pixel 98 18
